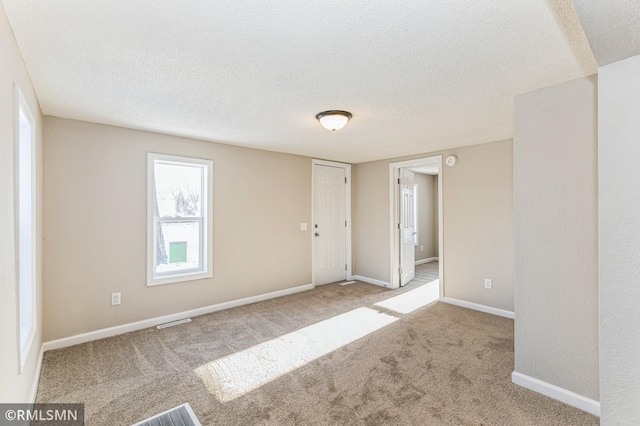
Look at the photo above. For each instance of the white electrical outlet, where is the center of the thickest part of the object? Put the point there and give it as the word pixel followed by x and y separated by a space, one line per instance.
pixel 487 283
pixel 303 226
pixel 115 299
pixel 421 248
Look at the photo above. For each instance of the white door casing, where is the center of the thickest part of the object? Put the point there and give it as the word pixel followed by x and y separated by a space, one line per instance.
pixel 329 227
pixel 407 227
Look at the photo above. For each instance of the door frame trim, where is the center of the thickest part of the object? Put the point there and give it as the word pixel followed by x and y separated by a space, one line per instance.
pixel 394 207
pixel 347 204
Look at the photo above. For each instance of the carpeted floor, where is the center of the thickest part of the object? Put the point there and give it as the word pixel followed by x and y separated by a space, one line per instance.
pixel 440 364
pixel 426 273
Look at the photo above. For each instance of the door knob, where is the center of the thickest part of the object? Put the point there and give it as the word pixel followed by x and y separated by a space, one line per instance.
pixel 317 235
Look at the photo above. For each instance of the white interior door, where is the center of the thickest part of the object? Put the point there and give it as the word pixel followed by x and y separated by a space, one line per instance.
pixel 329 228
pixel 407 228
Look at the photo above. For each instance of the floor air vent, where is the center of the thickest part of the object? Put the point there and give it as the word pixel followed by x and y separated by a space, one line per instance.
pixel 172 323
pixel 182 415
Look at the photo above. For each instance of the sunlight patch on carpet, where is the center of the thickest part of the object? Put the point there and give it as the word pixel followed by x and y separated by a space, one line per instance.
pixel 413 299
pixel 239 373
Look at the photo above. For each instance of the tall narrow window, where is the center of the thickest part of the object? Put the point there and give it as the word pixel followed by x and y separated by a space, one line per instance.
pixel 26 226
pixel 179 224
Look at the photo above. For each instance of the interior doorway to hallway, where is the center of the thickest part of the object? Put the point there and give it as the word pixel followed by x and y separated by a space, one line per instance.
pixel 411 248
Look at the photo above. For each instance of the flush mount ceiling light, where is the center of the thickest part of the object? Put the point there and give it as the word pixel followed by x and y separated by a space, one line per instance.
pixel 333 120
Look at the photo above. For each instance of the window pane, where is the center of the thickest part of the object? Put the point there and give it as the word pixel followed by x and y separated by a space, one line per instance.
pixel 26 233
pixel 179 219
pixel 26 226
pixel 178 247
pixel 178 190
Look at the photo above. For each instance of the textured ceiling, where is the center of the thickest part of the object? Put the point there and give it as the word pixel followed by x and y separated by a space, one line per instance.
pixel 612 27
pixel 417 75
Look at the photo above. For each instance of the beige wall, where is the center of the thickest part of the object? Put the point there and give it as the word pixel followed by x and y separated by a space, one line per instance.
pixel 370 212
pixel 427 219
pixel 556 276
pixel 619 240
pixel 95 198
pixel 478 223
pixel 15 387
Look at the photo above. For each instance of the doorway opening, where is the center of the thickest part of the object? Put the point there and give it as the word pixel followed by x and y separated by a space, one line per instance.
pixel 330 222
pixel 416 235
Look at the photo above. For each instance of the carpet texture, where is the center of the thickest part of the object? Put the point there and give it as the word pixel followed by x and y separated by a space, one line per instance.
pixel 438 365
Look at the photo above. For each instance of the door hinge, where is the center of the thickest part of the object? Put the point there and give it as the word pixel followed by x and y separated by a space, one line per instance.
pixel 398 181
pixel 345 179
pixel 398 226
pixel 400 271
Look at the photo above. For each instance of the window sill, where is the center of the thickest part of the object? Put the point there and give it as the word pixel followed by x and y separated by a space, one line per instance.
pixel 178 278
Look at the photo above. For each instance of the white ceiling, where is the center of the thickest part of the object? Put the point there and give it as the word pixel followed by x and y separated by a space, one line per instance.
pixel 417 75
pixel 612 27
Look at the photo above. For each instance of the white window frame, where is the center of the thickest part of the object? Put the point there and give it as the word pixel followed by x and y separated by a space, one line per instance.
pixel 415 215
pixel 206 229
pixel 25 337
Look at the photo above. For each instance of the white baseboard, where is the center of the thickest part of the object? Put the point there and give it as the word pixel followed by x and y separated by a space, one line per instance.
pixel 152 322
pixel 371 281
pixel 36 378
pixel 478 307
pixel 552 391
pixel 427 260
